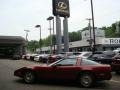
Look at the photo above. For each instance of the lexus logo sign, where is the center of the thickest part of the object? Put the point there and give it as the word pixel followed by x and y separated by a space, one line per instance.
pixel 61 8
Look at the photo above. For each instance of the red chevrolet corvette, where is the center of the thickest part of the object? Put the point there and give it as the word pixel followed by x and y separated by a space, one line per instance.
pixel 85 72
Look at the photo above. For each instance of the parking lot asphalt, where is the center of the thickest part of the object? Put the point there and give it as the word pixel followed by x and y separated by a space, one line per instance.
pixel 8 81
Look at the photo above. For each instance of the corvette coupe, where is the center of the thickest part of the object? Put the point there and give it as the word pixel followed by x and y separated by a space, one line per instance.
pixel 84 71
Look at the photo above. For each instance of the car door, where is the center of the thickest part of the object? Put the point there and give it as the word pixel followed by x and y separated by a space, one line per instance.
pixel 66 69
pixel 46 72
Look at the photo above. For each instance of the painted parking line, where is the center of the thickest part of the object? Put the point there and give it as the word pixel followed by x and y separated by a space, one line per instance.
pixel 115 81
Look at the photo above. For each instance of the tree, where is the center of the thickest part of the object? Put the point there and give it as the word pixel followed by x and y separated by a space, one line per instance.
pixel 110 32
pixel 74 36
pixel 33 45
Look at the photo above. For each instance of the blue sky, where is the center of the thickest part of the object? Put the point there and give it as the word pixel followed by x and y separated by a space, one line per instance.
pixel 19 15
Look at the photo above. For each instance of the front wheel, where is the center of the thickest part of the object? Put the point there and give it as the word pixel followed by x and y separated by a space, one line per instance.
pixel 86 80
pixel 29 77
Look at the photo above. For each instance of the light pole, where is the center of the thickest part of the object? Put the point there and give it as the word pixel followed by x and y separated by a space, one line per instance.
pixel 49 19
pixel 27 38
pixel 39 26
pixel 27 34
pixel 52 18
pixel 94 46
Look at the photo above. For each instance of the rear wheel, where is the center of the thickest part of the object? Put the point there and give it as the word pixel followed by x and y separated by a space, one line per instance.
pixel 29 77
pixel 86 80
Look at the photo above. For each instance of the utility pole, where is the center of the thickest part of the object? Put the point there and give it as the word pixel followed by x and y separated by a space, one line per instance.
pixel 90 40
pixel 53 36
pixel 94 46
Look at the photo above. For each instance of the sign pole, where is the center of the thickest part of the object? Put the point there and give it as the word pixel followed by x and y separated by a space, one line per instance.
pixel 58 34
pixel 66 35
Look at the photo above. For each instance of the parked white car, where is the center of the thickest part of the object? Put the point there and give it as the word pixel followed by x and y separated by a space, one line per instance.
pixel 29 56
pixel 116 50
pixel 83 55
pixel 41 58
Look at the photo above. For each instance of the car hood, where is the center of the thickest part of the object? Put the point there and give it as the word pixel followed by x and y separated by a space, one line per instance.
pixel 34 66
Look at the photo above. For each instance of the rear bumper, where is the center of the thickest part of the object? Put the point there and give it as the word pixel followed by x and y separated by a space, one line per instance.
pixel 115 67
pixel 104 76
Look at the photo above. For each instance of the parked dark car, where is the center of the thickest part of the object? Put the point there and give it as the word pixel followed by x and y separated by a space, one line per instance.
pixel 16 57
pixel 53 58
pixel 104 57
pixel 116 63
pixel 117 56
pixel 108 58
pixel 85 72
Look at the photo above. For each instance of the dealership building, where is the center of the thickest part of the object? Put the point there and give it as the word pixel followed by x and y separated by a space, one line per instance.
pixel 12 45
pixel 102 43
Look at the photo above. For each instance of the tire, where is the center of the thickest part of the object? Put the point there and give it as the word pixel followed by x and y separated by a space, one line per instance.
pixel 86 80
pixel 29 77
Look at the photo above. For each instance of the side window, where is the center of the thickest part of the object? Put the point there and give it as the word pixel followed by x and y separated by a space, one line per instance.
pixel 89 62
pixel 67 62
